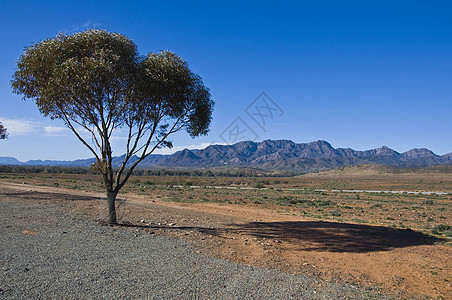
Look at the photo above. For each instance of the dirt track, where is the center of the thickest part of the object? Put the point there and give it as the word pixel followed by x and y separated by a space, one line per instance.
pixel 403 262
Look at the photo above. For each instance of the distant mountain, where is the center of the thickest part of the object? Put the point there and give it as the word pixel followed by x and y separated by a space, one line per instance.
pixel 10 161
pixel 270 155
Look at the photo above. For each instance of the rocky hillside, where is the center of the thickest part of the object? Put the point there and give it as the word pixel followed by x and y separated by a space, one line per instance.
pixel 274 155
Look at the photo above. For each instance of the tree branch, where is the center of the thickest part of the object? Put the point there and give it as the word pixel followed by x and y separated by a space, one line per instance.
pixel 145 154
pixel 79 137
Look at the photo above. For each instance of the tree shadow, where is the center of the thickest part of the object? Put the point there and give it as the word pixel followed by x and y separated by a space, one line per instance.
pixel 205 230
pixel 337 237
pixel 318 235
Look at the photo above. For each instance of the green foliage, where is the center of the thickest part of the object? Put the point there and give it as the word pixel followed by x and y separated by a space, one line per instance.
pixel 78 75
pixel 288 200
pixel 377 205
pixel 336 213
pixel 96 78
pixel 44 169
pixel 259 185
pixel 98 167
pixel 443 229
pixel 188 183
pixel 3 133
pixel 428 202
pixel 134 180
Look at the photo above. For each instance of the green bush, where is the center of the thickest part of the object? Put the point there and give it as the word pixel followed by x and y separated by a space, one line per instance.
pixel 378 205
pixel 443 229
pixel 428 202
pixel 336 213
pixel 188 183
pixel 258 185
pixel 134 181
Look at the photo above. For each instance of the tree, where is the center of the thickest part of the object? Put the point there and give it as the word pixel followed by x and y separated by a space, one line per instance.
pixel 96 82
pixel 3 133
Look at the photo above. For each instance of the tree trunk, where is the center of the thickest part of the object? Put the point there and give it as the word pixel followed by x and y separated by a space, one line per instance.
pixel 111 199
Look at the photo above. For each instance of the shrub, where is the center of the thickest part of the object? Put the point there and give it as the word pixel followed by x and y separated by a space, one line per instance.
pixel 188 183
pixel 258 185
pixel 336 213
pixel 378 205
pixel 323 202
pixel 134 180
pixel 428 202
pixel 442 228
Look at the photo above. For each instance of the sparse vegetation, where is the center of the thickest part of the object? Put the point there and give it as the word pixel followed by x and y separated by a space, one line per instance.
pixel 443 229
pixel 414 211
pixel 297 199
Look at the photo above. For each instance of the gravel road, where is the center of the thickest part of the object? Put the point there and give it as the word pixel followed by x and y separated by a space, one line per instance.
pixel 47 254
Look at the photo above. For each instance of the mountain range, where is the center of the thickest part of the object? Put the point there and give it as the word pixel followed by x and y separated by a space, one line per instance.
pixel 269 155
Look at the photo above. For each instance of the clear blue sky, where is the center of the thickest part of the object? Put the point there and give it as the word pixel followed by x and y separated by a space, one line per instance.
pixel 354 73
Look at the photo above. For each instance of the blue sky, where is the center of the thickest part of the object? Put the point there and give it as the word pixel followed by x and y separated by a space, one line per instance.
pixel 358 74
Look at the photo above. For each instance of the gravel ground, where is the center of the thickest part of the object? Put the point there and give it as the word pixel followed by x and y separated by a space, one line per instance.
pixel 47 254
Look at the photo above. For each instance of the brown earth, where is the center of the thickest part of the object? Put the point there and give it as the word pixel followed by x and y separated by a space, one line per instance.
pixel 402 262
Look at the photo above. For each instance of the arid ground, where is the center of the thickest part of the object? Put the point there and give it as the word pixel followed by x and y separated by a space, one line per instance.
pixel 397 242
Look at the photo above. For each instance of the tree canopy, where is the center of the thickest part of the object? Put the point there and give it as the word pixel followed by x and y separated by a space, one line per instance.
pixel 3 133
pixel 96 82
